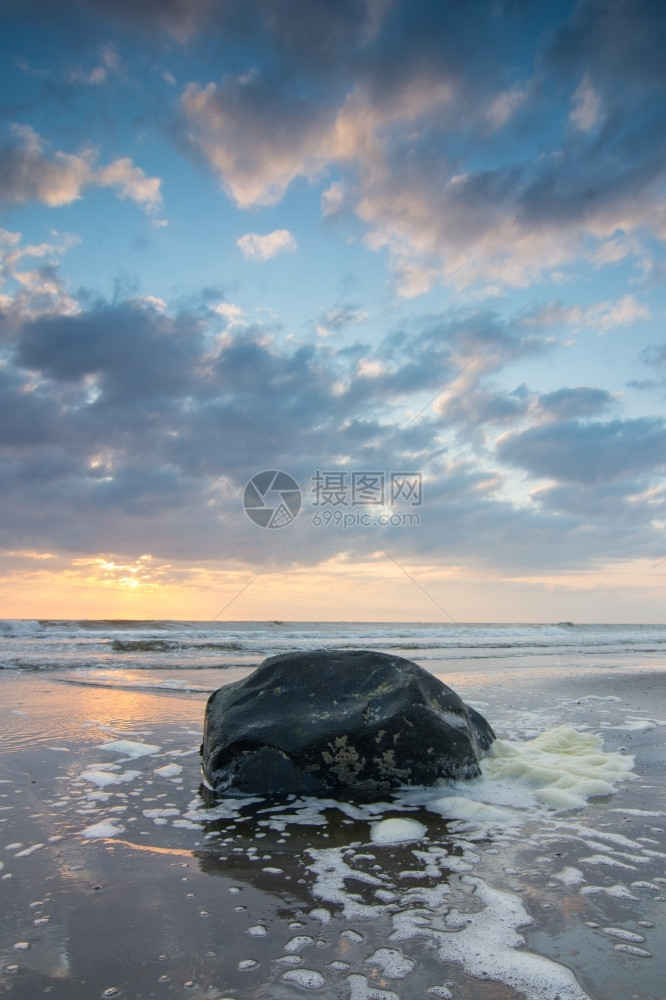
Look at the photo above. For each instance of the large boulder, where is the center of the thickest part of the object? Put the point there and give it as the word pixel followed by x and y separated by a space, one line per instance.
pixel 337 720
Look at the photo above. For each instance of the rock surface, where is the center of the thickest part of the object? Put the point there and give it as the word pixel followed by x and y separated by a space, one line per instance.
pixel 331 720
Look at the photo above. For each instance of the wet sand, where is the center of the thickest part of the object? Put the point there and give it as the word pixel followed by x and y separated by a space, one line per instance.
pixel 117 880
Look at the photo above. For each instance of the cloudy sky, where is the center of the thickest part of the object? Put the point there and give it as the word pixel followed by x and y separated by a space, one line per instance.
pixel 410 254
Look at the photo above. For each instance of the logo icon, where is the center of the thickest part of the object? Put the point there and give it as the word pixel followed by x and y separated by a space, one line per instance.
pixel 272 499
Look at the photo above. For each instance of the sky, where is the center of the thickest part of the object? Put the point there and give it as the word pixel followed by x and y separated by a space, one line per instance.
pixel 403 262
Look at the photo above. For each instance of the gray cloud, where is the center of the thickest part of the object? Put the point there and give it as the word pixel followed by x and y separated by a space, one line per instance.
pixel 477 145
pixel 395 122
pixel 612 39
pixel 176 18
pixel 114 440
pixel 338 317
pixel 654 357
pixel 567 404
pixel 463 137
pixel 616 502
pixel 131 358
pixel 588 453
pixel 29 174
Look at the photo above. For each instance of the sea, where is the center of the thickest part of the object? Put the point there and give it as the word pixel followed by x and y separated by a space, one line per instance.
pixel 154 653
pixel 544 878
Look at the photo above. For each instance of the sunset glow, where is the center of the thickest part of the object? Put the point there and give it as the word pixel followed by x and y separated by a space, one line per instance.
pixel 410 256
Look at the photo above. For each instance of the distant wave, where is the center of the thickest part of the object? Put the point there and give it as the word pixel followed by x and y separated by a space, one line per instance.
pixel 11 628
pixel 162 686
pixel 167 645
pixel 40 627
pixel 120 624
pixel 165 666
pixel 120 644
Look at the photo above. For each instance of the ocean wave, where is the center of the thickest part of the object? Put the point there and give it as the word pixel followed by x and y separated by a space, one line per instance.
pixel 174 686
pixel 21 664
pixel 169 645
pixel 18 664
pixel 119 644
pixel 20 628
pixel 420 632
pixel 123 624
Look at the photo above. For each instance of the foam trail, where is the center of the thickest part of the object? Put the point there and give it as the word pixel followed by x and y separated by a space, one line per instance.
pixel 487 945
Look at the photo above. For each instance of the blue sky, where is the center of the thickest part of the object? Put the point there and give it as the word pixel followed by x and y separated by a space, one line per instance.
pixel 371 236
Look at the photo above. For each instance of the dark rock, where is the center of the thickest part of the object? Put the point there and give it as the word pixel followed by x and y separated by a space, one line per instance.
pixel 330 720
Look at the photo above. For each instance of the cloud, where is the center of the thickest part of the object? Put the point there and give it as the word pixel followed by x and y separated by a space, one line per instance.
pixel 485 159
pixel 464 173
pixel 616 501
pixel 178 19
pixel 512 226
pixel 621 38
pixel 232 314
pixel 130 182
pixel 28 174
pixel 479 410
pixel 655 356
pixel 256 247
pixel 471 406
pixel 369 368
pixel 109 65
pixel 333 199
pixel 129 429
pixel 602 316
pixel 336 319
pixel 588 453
pixel 115 346
pixel 568 404
pixel 624 312
pixel 586 106
pixel 505 104
pixel 256 143
pixel 30 283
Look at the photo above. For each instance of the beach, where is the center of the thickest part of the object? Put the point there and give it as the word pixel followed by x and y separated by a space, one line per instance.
pixel 544 878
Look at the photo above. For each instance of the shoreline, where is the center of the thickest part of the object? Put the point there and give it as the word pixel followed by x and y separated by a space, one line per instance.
pixel 153 908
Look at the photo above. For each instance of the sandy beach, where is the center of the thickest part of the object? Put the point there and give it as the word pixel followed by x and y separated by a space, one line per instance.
pixel 332 325
pixel 118 879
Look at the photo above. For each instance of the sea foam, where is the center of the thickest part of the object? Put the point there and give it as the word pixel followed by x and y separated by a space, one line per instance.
pixel 563 767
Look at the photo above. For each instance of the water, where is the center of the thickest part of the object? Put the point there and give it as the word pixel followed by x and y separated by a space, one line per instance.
pixel 194 646
pixel 544 878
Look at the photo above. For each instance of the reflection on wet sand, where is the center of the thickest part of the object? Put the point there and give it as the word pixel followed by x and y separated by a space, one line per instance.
pixel 531 881
pixel 415 894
